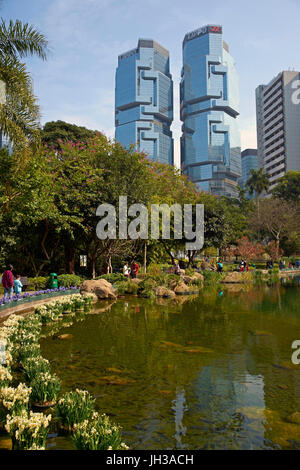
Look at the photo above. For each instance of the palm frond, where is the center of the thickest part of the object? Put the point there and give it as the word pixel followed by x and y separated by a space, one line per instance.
pixel 20 40
pixel 19 114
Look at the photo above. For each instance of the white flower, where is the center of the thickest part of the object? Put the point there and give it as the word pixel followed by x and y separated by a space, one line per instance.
pixel 5 375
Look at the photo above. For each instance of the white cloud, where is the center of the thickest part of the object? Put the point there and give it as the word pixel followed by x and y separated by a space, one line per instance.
pixel 248 136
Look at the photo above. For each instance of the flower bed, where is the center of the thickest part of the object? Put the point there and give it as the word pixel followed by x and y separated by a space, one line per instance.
pixel 38 295
pixel 74 410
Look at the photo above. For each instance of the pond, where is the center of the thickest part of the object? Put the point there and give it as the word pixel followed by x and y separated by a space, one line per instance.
pixel 207 372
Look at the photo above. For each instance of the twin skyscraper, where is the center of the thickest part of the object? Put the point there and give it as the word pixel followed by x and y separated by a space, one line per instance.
pixel 209 108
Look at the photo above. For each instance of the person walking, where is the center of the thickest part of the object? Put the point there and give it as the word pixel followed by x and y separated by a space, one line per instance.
pixel 134 269
pixel 18 285
pixel 126 269
pixel 8 282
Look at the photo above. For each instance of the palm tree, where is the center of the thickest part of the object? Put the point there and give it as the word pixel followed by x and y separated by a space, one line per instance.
pixel 19 40
pixel 258 183
pixel 19 111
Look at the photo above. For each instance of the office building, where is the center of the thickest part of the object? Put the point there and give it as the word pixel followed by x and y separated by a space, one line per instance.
pixel 249 162
pixel 209 106
pixel 278 125
pixel 144 100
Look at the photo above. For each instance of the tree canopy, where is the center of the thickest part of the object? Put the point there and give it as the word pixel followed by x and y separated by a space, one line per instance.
pixel 288 187
pixel 55 133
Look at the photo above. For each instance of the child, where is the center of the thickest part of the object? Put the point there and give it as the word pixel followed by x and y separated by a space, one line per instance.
pixel 18 285
pixel 219 267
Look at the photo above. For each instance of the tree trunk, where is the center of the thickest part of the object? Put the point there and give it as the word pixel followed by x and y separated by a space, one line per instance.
pixel 70 257
pixel 145 257
pixel 108 265
pixel 191 255
pixel 169 252
pixel 277 246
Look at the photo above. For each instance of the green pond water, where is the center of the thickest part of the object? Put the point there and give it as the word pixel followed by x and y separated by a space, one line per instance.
pixel 212 371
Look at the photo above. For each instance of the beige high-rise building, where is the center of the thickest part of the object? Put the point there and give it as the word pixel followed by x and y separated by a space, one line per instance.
pixel 278 125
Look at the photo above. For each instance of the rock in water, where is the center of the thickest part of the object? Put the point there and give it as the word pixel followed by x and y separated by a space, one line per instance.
pixel 182 289
pixel 162 291
pixel 100 287
pixel 198 277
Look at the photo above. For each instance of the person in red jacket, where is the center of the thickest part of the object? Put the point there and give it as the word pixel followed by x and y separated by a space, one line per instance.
pixel 134 269
pixel 8 282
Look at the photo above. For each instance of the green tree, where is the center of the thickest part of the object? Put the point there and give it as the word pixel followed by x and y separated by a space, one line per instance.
pixel 55 133
pixel 258 182
pixel 85 176
pixel 276 219
pixel 26 199
pixel 288 187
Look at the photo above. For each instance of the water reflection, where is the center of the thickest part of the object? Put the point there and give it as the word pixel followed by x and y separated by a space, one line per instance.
pixel 179 407
pixel 209 372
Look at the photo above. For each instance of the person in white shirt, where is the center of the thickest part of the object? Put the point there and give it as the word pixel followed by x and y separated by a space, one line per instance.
pixel 126 270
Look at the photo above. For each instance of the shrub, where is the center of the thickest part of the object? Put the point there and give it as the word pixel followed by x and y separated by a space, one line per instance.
pixel 172 280
pixel 28 432
pixel 257 275
pixel 113 278
pixel 212 277
pixel 45 388
pixel 126 287
pixel 98 434
pixel 146 288
pixel 38 283
pixel 75 407
pixel 68 280
pixel 154 269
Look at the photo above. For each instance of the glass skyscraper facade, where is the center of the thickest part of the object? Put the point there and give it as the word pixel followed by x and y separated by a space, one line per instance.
pixel 144 100
pixel 249 162
pixel 209 108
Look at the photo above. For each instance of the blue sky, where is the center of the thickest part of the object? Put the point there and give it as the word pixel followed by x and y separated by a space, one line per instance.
pixel 76 84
